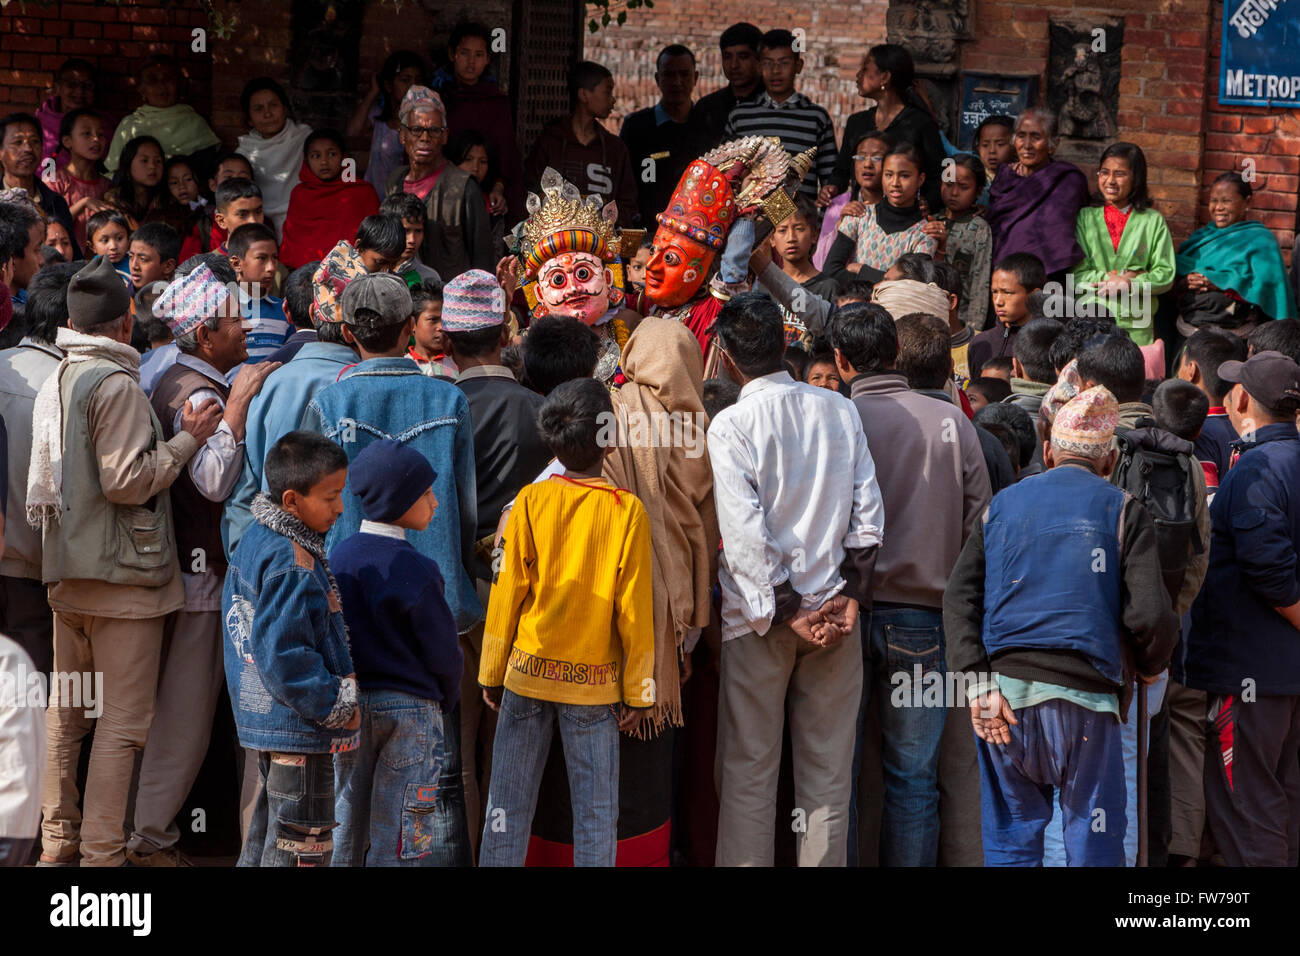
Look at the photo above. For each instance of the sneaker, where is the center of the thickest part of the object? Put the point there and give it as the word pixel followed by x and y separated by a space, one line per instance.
pixel 168 856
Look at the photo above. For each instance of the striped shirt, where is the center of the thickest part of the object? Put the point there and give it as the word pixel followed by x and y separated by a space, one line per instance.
pixel 799 122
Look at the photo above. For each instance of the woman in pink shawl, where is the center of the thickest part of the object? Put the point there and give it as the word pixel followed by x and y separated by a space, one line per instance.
pixel 1033 202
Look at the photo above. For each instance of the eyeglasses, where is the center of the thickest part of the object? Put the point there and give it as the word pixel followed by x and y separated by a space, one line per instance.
pixel 875 157
pixel 420 132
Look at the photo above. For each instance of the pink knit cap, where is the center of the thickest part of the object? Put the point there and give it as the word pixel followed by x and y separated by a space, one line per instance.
pixel 471 301
pixel 190 299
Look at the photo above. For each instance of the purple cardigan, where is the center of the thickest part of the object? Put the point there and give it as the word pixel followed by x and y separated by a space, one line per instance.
pixel 1036 213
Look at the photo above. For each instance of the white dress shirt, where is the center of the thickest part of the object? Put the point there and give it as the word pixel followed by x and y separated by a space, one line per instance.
pixel 22 744
pixel 214 469
pixel 794 486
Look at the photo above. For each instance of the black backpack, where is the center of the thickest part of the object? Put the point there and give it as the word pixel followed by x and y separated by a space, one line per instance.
pixel 1155 467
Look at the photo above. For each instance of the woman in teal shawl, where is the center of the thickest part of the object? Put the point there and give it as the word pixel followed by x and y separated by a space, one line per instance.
pixel 1233 258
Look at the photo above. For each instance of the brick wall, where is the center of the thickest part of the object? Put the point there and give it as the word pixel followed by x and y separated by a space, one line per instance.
pixel 260 45
pixel 1168 84
pixel 1269 137
pixel 837 34
pixel 1163 83
pixel 35 39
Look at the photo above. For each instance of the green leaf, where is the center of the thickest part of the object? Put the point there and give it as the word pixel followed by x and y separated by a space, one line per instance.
pixel 593 26
pixel 622 17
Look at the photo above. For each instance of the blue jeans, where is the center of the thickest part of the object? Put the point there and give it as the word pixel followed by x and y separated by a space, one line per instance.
pixel 590 738
pixel 293 818
pixel 387 787
pixel 451 846
pixel 1056 745
pixel 902 659
pixel 1054 841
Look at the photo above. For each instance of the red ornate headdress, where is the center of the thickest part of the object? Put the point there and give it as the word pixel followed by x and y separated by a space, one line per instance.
pixel 728 182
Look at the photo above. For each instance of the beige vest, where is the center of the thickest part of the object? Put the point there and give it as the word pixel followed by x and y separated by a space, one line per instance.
pixel 94 538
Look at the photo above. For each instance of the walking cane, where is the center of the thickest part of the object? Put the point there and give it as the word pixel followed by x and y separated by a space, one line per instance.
pixel 1142 773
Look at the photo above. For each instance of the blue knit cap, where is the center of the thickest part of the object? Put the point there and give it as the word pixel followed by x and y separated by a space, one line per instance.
pixel 389 477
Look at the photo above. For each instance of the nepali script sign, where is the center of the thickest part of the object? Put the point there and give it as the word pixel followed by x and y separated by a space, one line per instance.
pixel 1260 65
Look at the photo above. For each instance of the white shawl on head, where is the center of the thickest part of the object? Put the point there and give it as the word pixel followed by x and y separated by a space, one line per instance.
pixel 276 162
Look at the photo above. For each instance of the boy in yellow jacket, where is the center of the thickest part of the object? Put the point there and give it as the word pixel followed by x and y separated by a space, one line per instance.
pixel 568 636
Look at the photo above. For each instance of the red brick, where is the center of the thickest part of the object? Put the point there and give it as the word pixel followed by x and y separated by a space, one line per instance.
pixel 142 14
pixel 1214 159
pixel 1185 73
pixel 1289 163
pixel 1259 124
pixel 144 31
pixel 1175 159
pixel 1278 220
pixel 1186 107
pixel 1188 57
pixel 1028 12
pixel 1224 123
pixel 81 46
pixel 1167 90
pixel 1145 38
pixel 1283 146
pixel 1236 144
pixel 1285 186
pixel 21 77
pixel 117 31
pixel 1174 124
pixel 1187 38
pixel 87 29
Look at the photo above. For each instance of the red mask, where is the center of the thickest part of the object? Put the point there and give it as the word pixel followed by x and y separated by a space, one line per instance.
pixel 691 231
pixel 677 267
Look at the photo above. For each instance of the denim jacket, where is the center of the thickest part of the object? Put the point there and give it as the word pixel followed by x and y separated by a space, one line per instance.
pixel 286 648
pixel 274 412
pixel 391 398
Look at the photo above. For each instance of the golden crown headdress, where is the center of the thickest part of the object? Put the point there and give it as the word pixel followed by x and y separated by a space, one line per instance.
pixel 561 220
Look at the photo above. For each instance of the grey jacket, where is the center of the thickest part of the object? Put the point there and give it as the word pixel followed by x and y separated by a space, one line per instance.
pixel 23 370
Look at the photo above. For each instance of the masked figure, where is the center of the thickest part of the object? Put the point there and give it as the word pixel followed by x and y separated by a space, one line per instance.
pixel 731 184
pixel 572 265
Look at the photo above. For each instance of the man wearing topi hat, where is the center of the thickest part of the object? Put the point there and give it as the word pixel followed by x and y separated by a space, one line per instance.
pixel 1244 644
pixel 1056 594
pixel 97 486
pixel 205 322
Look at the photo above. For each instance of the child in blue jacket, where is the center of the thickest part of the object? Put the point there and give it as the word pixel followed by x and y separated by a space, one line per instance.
pixel 288 668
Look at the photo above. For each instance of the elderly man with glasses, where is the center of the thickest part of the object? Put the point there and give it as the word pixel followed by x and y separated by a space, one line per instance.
pixel 456 235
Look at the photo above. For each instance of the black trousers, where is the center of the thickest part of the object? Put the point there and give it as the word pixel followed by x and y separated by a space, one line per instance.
pixel 1252 779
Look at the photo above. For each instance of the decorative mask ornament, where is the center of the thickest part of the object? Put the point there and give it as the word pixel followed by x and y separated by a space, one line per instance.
pixel 728 182
pixel 571 253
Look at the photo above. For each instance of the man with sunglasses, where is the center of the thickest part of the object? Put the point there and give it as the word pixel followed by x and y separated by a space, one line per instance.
pixel 456 235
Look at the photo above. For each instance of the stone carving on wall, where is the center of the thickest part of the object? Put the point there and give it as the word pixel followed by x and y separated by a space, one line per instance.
pixel 1083 77
pixel 932 31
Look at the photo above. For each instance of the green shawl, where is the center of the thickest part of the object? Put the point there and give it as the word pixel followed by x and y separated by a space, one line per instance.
pixel 1244 258
pixel 179 130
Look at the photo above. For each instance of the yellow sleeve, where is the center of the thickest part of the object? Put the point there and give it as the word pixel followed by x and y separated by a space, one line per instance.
pixel 634 612
pixel 509 588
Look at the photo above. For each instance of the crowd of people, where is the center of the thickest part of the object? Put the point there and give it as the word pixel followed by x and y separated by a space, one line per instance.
pixel 735 490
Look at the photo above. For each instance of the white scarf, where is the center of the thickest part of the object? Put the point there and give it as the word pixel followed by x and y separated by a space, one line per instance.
pixel 45 473
pixel 276 162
